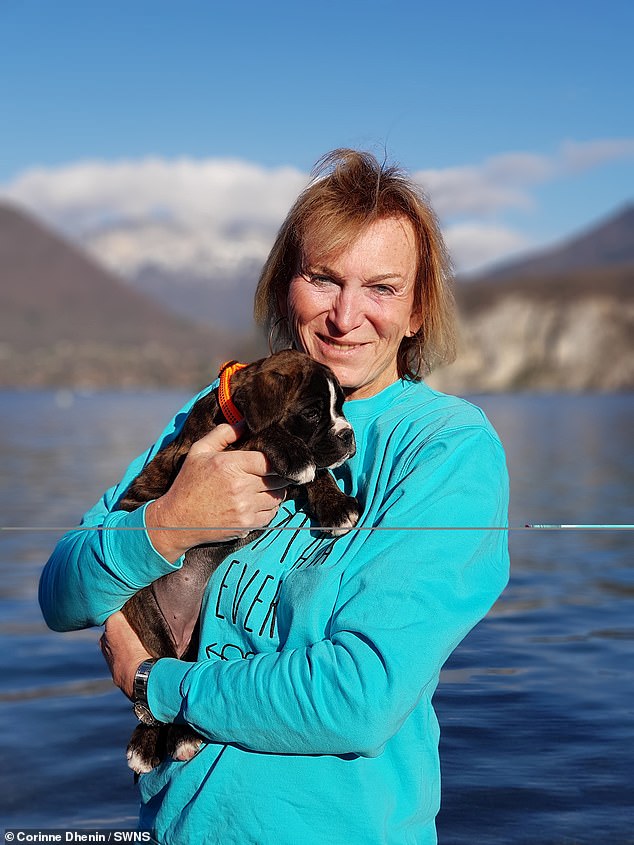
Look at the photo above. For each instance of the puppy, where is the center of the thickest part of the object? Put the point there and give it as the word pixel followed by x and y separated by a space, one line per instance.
pixel 293 412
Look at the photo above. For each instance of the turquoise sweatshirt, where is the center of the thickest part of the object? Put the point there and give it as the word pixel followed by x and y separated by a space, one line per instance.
pixel 318 657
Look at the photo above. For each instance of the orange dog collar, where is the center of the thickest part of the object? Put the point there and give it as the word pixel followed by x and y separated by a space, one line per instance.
pixel 231 413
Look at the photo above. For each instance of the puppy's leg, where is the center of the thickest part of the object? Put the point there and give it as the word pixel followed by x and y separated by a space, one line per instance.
pixel 330 506
pixel 146 748
pixel 147 744
pixel 182 741
pixel 288 455
pixel 148 622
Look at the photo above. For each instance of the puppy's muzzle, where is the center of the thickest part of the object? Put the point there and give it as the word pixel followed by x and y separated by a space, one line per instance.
pixel 342 446
pixel 346 437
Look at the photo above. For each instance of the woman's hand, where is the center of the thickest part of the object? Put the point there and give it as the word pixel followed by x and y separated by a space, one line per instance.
pixel 214 488
pixel 123 651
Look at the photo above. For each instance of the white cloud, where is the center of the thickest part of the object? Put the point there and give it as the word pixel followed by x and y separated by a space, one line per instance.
pixel 468 190
pixel 198 250
pixel 187 191
pixel 507 181
pixel 203 215
pixel 212 216
pixel 500 182
pixel 578 156
pixel 474 245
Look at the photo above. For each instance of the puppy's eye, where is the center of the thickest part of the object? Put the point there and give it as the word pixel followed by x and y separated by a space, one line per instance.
pixel 310 415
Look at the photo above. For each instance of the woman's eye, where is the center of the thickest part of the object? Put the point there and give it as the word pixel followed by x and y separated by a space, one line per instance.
pixel 320 280
pixel 383 290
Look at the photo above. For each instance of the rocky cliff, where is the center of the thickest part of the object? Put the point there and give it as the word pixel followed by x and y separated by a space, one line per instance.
pixel 572 332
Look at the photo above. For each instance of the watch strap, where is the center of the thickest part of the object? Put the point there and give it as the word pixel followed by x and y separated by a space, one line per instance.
pixel 139 693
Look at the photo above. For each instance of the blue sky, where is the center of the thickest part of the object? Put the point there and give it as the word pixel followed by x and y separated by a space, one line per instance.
pixel 533 99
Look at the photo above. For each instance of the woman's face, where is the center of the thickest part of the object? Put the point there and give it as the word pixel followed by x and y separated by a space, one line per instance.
pixel 351 311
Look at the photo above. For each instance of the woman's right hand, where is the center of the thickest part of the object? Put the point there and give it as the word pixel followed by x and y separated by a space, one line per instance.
pixel 214 488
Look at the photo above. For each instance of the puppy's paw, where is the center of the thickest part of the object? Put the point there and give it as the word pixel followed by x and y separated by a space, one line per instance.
pixel 144 749
pixel 140 762
pixel 183 743
pixel 348 518
pixel 341 516
pixel 302 475
pixel 187 749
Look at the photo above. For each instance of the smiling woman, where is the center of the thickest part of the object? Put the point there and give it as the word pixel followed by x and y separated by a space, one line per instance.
pixel 363 225
pixel 319 655
pixel 353 311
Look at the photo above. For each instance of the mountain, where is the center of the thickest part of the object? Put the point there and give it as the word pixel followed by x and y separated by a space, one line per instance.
pixel 187 269
pixel 66 320
pixel 561 319
pixel 194 295
pixel 606 244
pixel 569 332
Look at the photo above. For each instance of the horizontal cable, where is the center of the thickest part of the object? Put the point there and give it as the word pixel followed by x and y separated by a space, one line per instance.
pixel 245 528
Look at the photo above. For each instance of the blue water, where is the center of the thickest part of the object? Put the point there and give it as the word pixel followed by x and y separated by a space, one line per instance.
pixel 536 706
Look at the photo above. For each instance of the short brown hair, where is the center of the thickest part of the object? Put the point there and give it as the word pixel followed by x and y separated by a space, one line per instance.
pixel 350 190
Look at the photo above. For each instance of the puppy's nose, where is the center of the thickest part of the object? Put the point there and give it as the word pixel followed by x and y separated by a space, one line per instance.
pixel 346 435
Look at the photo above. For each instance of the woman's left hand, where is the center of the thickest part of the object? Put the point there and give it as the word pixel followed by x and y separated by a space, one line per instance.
pixel 123 651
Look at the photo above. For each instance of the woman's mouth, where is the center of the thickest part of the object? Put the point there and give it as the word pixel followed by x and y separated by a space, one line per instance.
pixel 338 345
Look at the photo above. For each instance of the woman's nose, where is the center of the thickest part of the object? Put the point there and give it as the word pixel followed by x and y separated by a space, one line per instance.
pixel 346 312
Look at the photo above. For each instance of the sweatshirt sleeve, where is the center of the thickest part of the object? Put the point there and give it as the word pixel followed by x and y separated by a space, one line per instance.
pixel 96 568
pixel 406 599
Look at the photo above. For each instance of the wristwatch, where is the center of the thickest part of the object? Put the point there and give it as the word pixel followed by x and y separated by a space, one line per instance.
pixel 139 694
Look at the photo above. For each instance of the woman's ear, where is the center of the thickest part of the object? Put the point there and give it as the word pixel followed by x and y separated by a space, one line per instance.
pixel 415 323
pixel 282 303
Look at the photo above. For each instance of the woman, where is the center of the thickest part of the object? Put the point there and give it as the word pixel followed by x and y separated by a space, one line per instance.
pixel 319 656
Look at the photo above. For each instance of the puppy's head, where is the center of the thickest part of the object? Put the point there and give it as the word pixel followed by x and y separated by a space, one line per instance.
pixel 300 396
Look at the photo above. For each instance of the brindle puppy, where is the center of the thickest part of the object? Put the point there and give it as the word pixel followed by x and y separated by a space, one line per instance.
pixel 293 410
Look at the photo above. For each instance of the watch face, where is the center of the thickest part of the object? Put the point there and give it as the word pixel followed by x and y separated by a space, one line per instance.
pixel 143 714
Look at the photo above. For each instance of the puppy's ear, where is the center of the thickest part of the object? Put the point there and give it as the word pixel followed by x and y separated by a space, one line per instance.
pixel 261 396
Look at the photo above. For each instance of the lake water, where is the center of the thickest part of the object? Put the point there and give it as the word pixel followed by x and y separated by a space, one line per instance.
pixel 536 706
